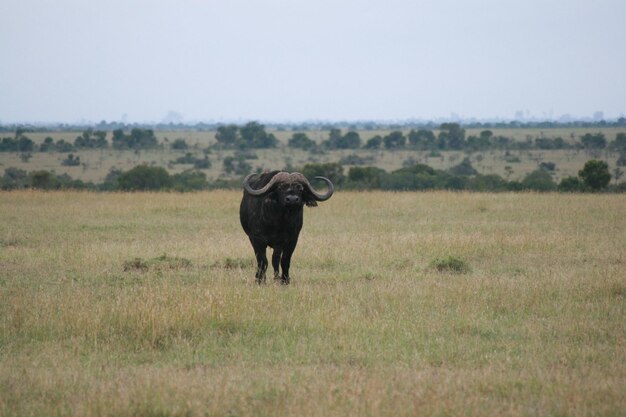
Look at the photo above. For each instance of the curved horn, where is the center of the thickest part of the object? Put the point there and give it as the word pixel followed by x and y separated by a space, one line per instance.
pixel 281 176
pixel 317 195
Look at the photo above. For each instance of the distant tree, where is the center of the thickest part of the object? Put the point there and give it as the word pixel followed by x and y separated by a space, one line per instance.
pixel 137 139
pixel 422 139
pixel 374 142
pixel 350 140
pixel 119 139
pixel 451 136
pixel 179 144
pixel 25 144
pixel 593 141
pixel 227 135
pixel 620 142
pixel 92 140
pixel 394 140
pixel 301 141
pixel 334 136
pixel 142 139
pixel 336 140
pixel 100 139
pixel 481 142
pixel 595 174
pixel 253 135
pixel 63 146
pixel 47 145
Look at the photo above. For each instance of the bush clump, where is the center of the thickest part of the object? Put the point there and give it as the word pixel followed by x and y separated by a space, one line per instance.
pixel 234 263
pixel 451 264
pixel 159 263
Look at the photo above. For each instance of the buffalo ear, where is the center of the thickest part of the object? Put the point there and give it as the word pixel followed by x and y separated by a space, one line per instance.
pixel 309 200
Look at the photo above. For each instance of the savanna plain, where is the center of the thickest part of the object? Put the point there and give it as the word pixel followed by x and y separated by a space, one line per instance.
pixel 144 304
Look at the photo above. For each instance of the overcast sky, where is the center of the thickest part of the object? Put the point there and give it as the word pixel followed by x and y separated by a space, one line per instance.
pixel 294 60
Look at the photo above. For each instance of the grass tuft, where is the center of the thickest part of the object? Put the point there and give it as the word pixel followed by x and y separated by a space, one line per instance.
pixel 452 264
pixel 234 263
pixel 159 263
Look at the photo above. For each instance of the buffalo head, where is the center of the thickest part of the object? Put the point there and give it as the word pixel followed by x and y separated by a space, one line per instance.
pixel 293 189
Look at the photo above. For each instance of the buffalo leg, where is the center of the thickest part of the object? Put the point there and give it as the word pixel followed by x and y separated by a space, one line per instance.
pixel 261 261
pixel 286 261
pixel 276 261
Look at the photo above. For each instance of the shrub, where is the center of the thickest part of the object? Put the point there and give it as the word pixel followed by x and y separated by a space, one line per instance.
pixel 539 180
pixel 355 159
pixel 71 161
pixel 14 178
pixel 236 165
pixel 253 135
pixel 571 185
pixel 204 163
pixel 547 166
pixel 365 177
pixel 188 158
pixel 333 171
pixel 189 180
pixel 465 168
pixel 144 177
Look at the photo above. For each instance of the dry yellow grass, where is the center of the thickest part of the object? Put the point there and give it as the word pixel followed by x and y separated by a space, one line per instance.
pixel 367 327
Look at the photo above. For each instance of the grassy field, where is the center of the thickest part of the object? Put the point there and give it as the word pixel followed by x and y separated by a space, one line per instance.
pixel 96 164
pixel 145 305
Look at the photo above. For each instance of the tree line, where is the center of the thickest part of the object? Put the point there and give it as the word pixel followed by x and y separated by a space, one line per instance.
pixel 253 135
pixel 593 177
pixel 89 139
pixel 451 136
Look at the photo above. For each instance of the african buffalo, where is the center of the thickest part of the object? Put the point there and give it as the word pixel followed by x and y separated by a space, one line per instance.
pixel 271 215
